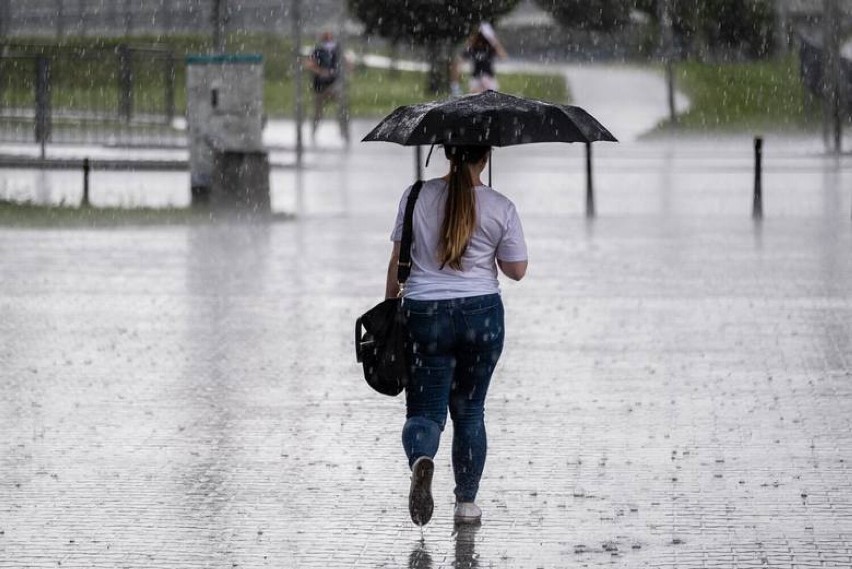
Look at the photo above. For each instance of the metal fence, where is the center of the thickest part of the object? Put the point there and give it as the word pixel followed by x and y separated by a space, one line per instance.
pixel 124 94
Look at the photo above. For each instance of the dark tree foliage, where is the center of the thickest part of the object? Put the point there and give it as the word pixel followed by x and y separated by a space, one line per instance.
pixel 436 24
pixel 424 22
pixel 598 15
pixel 734 25
pixel 738 24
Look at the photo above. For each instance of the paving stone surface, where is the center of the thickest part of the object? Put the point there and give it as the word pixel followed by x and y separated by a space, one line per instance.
pixel 676 389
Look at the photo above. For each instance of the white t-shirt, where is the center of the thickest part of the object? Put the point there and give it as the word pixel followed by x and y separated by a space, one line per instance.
pixel 498 235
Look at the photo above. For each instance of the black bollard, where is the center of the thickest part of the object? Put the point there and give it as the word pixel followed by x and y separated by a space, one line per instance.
pixel 590 190
pixel 757 204
pixel 86 167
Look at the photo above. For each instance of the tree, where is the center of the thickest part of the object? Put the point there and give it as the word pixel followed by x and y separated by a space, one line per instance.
pixel 597 15
pixel 732 25
pixel 747 26
pixel 435 24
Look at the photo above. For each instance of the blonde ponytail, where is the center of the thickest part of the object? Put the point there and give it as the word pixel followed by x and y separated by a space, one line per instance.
pixel 460 213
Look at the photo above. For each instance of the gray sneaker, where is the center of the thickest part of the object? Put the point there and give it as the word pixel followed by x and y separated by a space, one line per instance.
pixel 467 513
pixel 420 503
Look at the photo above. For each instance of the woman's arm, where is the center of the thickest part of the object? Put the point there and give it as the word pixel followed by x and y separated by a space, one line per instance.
pixel 391 285
pixel 499 49
pixel 515 270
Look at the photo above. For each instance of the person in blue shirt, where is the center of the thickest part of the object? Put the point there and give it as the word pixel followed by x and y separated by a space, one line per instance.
pixel 325 64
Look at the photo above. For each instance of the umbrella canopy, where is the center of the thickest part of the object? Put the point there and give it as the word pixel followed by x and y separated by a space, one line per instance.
pixel 488 119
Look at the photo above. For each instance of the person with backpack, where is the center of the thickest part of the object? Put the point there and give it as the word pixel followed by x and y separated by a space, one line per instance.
pixel 463 231
pixel 482 49
pixel 324 64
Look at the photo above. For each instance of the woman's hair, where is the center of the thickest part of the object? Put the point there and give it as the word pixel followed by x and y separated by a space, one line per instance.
pixel 460 213
pixel 480 41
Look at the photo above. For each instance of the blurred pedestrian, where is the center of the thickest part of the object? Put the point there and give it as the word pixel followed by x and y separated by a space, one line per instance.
pixel 325 64
pixel 462 232
pixel 482 49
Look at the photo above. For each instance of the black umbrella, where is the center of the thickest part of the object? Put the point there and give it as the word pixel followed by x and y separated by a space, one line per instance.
pixel 489 118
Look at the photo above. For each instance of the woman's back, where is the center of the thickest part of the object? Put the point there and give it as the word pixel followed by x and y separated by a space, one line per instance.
pixel 497 234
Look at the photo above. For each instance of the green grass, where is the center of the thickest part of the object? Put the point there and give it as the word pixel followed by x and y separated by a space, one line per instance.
pixel 543 87
pixel 27 214
pixel 744 96
pixel 376 92
pixel 92 83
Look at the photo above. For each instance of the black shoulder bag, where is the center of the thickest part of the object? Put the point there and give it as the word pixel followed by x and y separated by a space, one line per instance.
pixel 381 338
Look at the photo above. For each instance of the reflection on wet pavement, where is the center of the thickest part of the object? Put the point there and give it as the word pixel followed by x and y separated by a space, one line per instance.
pixel 465 537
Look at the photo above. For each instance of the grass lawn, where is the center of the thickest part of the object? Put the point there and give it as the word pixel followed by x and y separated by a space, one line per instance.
pixel 376 92
pixel 14 214
pixel 740 96
pixel 87 79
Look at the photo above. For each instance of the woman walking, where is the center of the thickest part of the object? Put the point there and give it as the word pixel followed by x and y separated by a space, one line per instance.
pixel 482 49
pixel 463 231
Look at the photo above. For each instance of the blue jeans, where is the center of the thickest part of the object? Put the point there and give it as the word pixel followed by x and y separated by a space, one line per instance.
pixel 455 345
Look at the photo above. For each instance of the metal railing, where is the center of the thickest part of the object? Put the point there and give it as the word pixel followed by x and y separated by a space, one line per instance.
pixel 121 94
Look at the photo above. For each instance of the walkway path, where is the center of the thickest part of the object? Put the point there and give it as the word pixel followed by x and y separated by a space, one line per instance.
pixel 676 389
pixel 631 99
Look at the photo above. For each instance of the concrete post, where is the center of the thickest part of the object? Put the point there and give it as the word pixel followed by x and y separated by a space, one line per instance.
pixel 86 168
pixel 590 189
pixel 757 202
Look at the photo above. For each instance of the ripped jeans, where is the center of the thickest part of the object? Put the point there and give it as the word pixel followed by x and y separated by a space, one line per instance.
pixel 455 346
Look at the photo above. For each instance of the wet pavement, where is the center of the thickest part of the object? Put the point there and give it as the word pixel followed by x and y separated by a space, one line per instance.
pixel 676 389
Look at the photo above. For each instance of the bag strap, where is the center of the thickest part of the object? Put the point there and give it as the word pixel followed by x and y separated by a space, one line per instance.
pixel 403 266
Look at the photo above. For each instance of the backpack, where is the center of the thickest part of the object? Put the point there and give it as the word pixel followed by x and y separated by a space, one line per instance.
pixel 326 58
